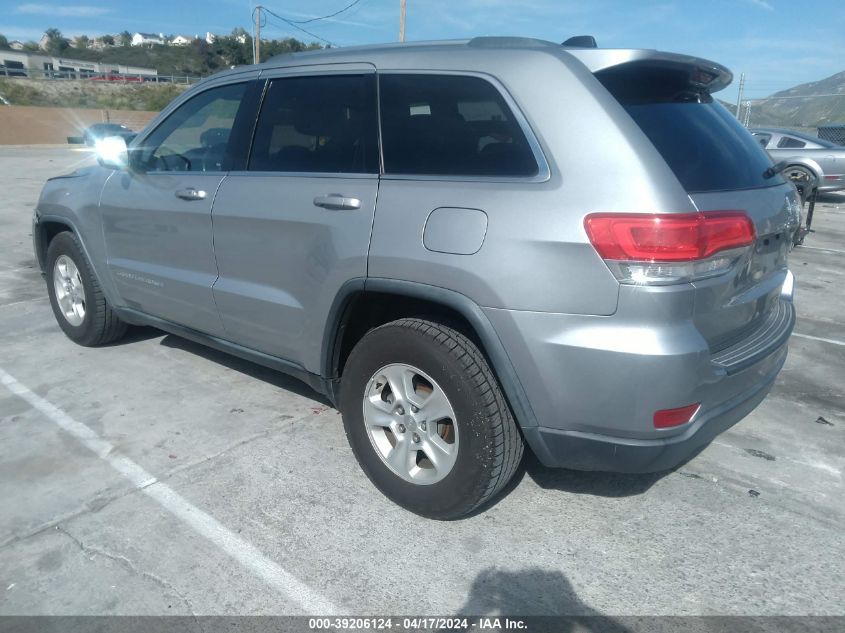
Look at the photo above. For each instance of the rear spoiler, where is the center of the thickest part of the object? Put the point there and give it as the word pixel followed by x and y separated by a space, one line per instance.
pixel 702 72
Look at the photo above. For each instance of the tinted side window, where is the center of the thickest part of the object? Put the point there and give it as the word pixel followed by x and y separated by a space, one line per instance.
pixel 452 126
pixel 195 137
pixel 318 124
pixel 790 143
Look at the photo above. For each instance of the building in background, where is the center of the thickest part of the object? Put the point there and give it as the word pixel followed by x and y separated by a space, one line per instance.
pixel 148 39
pixel 181 40
pixel 38 65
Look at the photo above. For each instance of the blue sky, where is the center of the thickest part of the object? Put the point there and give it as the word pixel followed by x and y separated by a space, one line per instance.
pixel 777 43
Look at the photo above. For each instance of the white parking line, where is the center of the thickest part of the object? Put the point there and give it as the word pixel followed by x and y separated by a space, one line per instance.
pixel 824 250
pixel 245 553
pixel 819 338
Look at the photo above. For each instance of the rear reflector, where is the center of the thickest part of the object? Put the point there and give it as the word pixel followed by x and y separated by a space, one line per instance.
pixel 662 248
pixel 666 418
pixel 667 237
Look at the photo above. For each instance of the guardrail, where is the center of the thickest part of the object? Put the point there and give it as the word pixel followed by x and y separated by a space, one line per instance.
pixel 89 75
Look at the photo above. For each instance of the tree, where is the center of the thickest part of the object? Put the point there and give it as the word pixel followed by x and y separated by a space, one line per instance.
pixel 125 38
pixel 203 53
pixel 108 40
pixel 4 43
pixel 82 42
pixel 234 52
pixel 31 46
pixel 56 42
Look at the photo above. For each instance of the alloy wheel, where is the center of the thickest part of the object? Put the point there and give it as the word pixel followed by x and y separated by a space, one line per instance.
pixel 411 424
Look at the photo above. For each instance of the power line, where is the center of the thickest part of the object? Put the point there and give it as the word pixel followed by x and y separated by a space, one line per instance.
pixel 326 17
pixel 261 20
pixel 296 26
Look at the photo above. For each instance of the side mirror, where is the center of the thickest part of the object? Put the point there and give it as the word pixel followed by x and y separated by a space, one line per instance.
pixel 112 152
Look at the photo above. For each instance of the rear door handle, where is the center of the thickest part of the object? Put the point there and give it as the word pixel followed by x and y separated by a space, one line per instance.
pixel 190 194
pixel 337 202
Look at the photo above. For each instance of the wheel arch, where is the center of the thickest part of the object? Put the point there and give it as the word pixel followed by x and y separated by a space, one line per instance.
pixel 46 229
pixel 363 304
pixel 806 163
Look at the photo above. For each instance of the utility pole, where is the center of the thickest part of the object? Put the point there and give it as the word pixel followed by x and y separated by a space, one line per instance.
pixel 256 40
pixel 747 119
pixel 739 96
pixel 402 20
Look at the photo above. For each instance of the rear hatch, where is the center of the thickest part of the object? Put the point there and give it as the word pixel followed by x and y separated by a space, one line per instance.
pixel 721 167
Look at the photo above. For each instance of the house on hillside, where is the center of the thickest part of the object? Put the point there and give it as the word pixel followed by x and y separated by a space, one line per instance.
pixel 16 45
pixel 181 40
pixel 147 39
pixel 104 42
pixel 210 37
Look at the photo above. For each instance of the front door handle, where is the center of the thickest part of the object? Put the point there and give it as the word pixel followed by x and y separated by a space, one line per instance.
pixel 337 202
pixel 191 194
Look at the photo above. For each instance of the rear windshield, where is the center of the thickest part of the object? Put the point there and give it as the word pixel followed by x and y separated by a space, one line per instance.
pixel 703 143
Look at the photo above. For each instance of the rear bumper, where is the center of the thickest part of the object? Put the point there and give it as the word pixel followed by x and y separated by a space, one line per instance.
pixel 589 451
pixel 829 184
pixel 595 383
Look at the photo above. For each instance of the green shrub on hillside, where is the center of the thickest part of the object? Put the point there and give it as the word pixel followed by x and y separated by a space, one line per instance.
pixel 87 94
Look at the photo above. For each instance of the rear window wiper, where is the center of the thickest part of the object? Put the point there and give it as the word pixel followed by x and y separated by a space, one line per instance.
pixel 775 169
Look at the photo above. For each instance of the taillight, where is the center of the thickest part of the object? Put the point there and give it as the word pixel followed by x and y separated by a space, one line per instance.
pixel 651 248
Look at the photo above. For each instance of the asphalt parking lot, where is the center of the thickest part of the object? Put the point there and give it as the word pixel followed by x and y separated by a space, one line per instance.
pixel 156 476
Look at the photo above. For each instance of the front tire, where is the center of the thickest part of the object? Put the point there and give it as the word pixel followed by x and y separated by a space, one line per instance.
pixel 427 420
pixel 78 303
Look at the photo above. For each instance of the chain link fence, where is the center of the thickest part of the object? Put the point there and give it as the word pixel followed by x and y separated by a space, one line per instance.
pixel 833 133
pixel 821 115
pixel 75 74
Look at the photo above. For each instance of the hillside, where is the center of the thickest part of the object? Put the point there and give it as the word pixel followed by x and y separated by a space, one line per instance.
pixel 804 108
pixel 199 58
pixel 89 94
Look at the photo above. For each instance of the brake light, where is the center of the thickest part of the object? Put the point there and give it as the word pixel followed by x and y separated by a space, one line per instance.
pixel 667 418
pixel 669 247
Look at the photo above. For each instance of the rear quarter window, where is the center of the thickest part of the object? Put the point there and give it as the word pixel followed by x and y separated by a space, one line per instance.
pixel 788 142
pixel 452 126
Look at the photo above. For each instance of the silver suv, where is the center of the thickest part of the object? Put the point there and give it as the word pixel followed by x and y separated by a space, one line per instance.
pixel 466 246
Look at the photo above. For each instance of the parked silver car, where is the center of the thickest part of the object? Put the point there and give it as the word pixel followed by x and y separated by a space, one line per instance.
pixel 807 157
pixel 466 246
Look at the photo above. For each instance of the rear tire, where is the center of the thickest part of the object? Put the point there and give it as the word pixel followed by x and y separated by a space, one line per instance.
pixel 486 447
pixel 78 302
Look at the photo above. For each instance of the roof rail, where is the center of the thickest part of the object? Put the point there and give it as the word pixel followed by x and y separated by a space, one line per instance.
pixel 488 41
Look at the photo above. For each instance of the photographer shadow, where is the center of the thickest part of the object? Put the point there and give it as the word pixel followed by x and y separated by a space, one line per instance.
pixel 545 597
